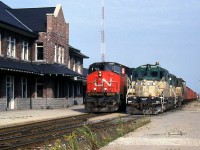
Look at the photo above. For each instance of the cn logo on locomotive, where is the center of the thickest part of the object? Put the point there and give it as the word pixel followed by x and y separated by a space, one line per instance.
pixel 103 81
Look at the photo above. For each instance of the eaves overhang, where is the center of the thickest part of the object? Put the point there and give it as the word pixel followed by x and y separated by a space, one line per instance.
pixel 17 30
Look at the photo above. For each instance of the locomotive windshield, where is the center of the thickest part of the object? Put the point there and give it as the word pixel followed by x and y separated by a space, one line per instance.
pixel 149 72
pixel 105 66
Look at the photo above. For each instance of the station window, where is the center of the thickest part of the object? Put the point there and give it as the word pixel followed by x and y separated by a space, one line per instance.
pixel 24 48
pixel 39 88
pixel 79 67
pixel 59 54
pixel 39 51
pixel 59 89
pixel 74 65
pixel 24 87
pixel 78 89
pixel 69 63
pixel 11 47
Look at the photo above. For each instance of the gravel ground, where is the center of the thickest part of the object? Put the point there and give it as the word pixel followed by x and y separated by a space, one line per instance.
pixel 173 130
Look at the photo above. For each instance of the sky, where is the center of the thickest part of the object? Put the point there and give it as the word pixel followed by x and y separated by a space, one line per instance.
pixel 137 32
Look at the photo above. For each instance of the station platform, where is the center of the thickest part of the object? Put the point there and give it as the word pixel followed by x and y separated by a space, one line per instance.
pixel 17 117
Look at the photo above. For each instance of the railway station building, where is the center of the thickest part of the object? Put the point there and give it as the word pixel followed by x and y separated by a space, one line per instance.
pixel 38 67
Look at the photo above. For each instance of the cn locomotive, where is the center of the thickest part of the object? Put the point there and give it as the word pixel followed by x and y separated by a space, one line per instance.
pixel 106 87
pixel 152 89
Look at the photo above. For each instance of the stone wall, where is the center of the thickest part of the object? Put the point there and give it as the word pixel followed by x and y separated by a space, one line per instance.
pixel 41 103
pixel 55 103
pixel 3 104
pixel 22 103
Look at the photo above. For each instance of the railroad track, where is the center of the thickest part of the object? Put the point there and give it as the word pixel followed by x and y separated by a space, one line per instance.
pixel 30 134
pixel 35 135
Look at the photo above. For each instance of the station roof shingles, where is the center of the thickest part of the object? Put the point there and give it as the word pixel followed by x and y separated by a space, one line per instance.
pixel 16 65
pixel 28 19
pixel 76 52
pixel 7 18
pixel 40 69
pixel 55 69
pixel 34 18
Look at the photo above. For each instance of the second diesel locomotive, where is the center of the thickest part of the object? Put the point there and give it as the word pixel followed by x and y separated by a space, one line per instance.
pixel 153 89
pixel 106 87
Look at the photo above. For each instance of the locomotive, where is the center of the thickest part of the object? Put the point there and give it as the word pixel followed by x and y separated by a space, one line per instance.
pixel 106 87
pixel 152 89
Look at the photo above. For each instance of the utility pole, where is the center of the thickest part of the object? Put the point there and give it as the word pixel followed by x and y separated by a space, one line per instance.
pixel 102 34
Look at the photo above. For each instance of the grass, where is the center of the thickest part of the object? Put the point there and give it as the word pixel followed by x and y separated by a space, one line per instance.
pixel 85 139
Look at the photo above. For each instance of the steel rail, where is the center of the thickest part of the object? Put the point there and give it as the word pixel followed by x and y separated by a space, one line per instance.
pixel 28 134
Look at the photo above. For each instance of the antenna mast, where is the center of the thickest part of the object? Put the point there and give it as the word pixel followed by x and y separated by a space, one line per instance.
pixel 102 34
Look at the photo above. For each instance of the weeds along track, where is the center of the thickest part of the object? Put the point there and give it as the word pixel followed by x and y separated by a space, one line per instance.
pixel 29 134
pixel 35 135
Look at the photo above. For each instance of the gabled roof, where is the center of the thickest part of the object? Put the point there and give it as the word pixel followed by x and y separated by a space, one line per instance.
pixel 7 18
pixel 76 52
pixel 34 18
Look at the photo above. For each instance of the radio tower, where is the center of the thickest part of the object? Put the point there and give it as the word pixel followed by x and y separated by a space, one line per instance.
pixel 102 34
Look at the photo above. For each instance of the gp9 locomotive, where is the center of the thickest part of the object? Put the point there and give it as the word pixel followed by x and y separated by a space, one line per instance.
pixel 106 87
pixel 152 89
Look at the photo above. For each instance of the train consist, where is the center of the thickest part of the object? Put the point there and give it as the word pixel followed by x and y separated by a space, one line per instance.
pixel 147 89
pixel 153 90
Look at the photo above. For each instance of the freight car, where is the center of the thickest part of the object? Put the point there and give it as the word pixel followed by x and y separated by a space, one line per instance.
pixel 190 95
pixel 106 87
pixel 152 89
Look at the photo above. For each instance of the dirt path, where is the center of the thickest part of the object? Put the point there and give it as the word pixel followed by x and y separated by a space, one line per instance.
pixel 174 130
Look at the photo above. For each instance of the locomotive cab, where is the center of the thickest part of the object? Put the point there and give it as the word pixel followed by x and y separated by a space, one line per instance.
pixel 148 89
pixel 106 85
